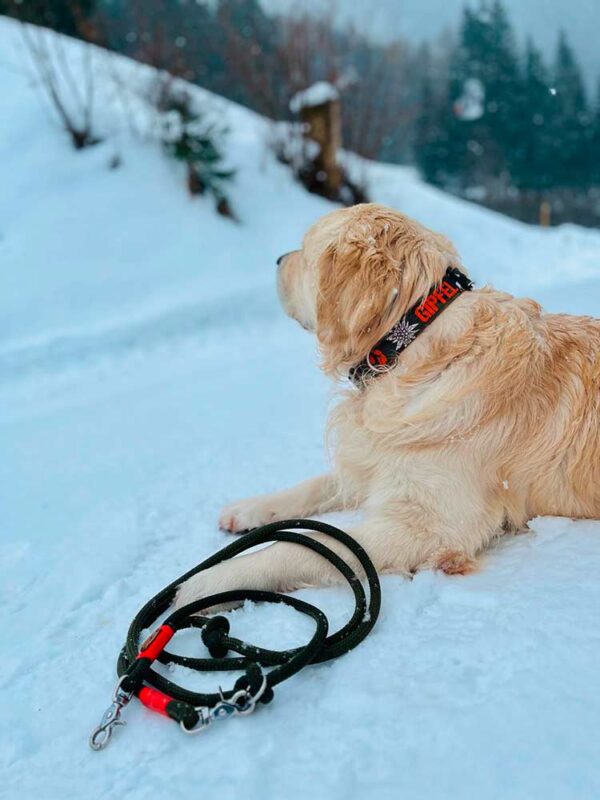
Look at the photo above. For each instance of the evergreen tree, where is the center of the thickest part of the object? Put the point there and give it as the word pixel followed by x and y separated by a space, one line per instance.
pixel 431 138
pixel 532 130
pixel 534 170
pixel 595 143
pixel 504 89
pixel 572 124
pixel 480 144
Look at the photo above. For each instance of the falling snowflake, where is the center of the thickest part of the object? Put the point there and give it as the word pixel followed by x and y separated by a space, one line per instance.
pixel 402 334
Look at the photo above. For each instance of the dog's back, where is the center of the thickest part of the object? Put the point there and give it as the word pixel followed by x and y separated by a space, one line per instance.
pixel 572 486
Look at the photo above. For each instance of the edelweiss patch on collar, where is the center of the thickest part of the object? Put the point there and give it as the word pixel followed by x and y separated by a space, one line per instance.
pixel 385 353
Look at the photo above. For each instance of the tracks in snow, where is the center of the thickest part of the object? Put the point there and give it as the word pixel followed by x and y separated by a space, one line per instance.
pixel 169 327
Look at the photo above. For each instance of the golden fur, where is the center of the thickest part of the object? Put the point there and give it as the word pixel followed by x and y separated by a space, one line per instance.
pixel 491 417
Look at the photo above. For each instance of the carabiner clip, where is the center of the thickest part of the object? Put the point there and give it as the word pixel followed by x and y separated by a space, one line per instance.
pixel 241 703
pixel 100 736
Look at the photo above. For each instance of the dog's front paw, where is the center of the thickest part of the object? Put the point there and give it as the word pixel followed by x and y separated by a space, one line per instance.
pixel 204 584
pixel 246 514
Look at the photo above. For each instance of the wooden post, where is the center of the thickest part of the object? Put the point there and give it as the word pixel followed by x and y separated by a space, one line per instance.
pixel 320 111
pixel 545 214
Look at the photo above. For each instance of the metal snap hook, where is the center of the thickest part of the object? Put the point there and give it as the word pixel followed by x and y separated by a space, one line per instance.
pixel 100 736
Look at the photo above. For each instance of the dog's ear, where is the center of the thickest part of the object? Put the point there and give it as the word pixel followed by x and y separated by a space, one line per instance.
pixel 380 265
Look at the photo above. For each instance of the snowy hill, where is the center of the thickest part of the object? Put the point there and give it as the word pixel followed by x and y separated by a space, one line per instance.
pixel 148 376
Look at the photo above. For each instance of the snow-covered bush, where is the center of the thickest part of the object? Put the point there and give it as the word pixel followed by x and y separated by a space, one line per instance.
pixel 189 136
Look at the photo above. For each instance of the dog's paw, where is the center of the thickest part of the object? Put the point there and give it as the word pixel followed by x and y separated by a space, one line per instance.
pixel 246 514
pixel 455 563
pixel 204 584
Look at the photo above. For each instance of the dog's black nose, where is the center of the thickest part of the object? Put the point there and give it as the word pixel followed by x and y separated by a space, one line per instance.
pixel 280 259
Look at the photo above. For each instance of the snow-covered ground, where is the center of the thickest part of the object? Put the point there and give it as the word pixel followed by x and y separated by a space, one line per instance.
pixel 147 376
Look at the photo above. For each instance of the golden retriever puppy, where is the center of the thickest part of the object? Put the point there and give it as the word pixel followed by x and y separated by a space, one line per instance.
pixel 488 417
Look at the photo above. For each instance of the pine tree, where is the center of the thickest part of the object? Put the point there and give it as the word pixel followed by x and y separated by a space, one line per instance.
pixel 594 160
pixel 572 123
pixel 480 148
pixel 456 133
pixel 533 169
pixel 430 134
pixel 504 88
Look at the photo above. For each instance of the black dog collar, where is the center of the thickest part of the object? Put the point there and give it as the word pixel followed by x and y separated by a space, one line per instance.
pixel 385 353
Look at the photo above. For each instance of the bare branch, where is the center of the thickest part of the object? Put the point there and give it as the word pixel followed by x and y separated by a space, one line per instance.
pixel 73 105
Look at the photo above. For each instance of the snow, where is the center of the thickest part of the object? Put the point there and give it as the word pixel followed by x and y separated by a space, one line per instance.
pixel 147 377
pixel 318 94
pixel 470 106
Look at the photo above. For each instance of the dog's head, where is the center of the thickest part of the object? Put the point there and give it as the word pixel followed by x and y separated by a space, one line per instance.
pixel 359 270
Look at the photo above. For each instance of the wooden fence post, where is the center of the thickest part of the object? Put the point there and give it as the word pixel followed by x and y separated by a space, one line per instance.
pixel 545 214
pixel 319 109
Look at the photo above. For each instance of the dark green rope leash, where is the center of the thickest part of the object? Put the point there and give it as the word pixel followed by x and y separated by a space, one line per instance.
pixel 194 711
